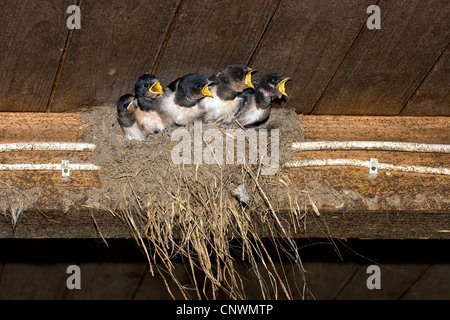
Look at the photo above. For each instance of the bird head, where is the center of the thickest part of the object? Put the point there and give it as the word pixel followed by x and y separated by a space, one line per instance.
pixel 125 103
pixel 274 84
pixel 194 86
pixel 147 86
pixel 238 76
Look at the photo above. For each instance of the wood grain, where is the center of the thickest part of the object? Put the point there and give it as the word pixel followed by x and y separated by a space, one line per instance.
pixel 306 41
pixel 351 204
pixel 346 189
pixel 33 281
pixel 395 281
pixel 350 188
pixel 118 41
pixel 362 128
pixel 45 190
pixel 40 127
pixel 44 157
pixel 387 65
pixel 408 158
pixel 334 275
pixel 208 35
pixel 32 40
pixel 361 224
pixel 433 284
pixel 433 96
pixel 108 280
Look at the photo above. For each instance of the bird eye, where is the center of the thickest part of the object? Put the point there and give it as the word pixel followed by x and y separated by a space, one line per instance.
pixel 146 85
pixel 198 86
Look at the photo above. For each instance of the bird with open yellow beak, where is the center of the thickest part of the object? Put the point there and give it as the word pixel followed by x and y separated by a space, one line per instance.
pixel 180 104
pixel 147 90
pixel 255 104
pixel 225 88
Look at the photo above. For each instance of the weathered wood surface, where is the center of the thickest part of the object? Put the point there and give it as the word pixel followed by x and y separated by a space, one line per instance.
pixel 362 128
pixel 208 35
pixel 352 205
pixel 386 66
pixel 393 201
pixel 31 127
pixel 118 41
pixel 337 65
pixel 433 96
pixel 32 269
pixel 306 41
pixel 32 41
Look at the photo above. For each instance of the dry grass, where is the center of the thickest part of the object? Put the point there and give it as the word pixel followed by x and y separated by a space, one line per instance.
pixel 204 216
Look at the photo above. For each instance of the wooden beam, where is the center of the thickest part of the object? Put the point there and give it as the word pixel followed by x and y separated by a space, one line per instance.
pixel 393 205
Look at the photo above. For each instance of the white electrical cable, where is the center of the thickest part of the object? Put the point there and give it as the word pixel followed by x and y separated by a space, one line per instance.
pixel 371 145
pixel 47 166
pixel 365 164
pixel 46 146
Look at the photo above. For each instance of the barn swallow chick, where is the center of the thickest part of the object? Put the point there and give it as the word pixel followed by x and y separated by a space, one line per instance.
pixel 180 103
pixel 255 104
pixel 147 89
pixel 126 107
pixel 226 86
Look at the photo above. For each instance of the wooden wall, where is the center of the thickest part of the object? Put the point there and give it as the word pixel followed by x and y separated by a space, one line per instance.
pixel 410 270
pixel 337 65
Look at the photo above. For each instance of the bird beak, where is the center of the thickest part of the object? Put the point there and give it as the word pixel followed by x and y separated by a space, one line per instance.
pixel 282 84
pixel 248 78
pixel 129 105
pixel 156 88
pixel 206 91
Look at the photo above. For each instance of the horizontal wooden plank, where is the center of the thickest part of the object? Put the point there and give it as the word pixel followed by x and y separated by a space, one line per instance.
pixel 40 127
pixel 376 128
pixel 349 189
pixel 367 224
pixel 41 191
pixel 44 157
pixel 408 158
pixel 350 203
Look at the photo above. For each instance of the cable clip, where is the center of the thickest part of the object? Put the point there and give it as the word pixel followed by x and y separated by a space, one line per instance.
pixel 373 167
pixel 65 170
